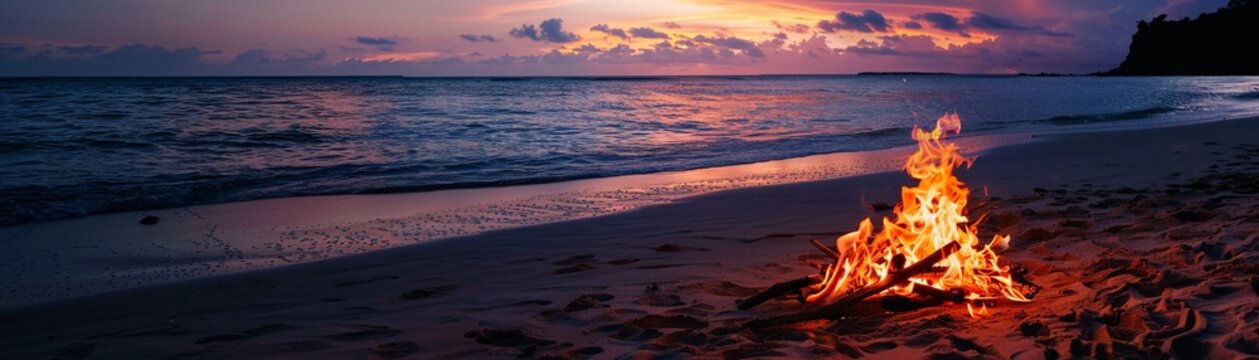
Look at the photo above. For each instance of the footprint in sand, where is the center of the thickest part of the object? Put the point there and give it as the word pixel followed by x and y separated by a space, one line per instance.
pixel 365 332
pixel 510 339
pixel 588 301
pixel 677 248
pixel 74 351
pixel 395 350
pixel 724 288
pixel 575 264
pixel 365 281
pixel 244 335
pixel 429 292
pixel 661 300
pixel 310 345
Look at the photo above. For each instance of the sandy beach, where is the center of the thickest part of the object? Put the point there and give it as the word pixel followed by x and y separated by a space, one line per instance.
pixel 1143 240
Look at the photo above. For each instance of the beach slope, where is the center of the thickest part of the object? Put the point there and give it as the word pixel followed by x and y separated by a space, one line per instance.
pixel 1145 241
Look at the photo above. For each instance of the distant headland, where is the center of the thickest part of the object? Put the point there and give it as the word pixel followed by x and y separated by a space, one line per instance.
pixel 1219 43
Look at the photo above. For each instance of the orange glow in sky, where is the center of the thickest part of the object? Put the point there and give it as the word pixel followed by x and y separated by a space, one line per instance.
pixel 575 37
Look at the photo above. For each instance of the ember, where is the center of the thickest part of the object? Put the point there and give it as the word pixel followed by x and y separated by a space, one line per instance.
pixel 930 247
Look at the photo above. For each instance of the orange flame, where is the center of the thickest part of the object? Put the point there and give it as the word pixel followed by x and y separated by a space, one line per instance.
pixel 930 216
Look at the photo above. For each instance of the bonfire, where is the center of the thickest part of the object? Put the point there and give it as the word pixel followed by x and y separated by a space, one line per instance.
pixel 929 248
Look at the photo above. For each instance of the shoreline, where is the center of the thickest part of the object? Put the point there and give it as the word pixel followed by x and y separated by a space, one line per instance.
pixel 479 295
pixel 110 252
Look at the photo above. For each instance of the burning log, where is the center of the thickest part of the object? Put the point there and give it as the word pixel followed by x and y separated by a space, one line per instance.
pixel 825 249
pixel 931 226
pixel 777 290
pixel 837 307
pixel 956 296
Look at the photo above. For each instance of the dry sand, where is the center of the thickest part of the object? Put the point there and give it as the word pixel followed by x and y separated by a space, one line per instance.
pixel 1144 240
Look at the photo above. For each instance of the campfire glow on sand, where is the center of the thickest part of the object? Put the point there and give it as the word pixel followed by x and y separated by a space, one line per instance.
pixel 929 248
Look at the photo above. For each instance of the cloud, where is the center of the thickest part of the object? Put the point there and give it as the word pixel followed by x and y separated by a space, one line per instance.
pixel 11 49
pixel 980 21
pixel 93 60
pixel 258 56
pixel 868 21
pixel 478 38
pixel 639 32
pixel 896 45
pixel 82 50
pixel 988 22
pixel 672 25
pixel 943 21
pixel 551 30
pixel 647 33
pixel 747 46
pixel 375 41
pixel 911 25
pixel 795 28
pixel 380 43
pixel 617 32
pixel 587 48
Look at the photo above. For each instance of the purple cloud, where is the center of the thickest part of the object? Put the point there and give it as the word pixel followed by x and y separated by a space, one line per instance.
pixel 136 59
pixel 867 22
pixel 375 41
pixel 747 46
pixel 795 28
pixel 647 33
pixel 989 22
pixel 981 21
pixel 478 38
pixel 617 32
pixel 551 30
pixel 943 21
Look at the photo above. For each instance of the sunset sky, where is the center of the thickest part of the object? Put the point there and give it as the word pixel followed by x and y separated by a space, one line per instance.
pixel 568 37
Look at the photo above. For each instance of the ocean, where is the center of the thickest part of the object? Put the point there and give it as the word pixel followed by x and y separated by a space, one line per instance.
pixel 74 147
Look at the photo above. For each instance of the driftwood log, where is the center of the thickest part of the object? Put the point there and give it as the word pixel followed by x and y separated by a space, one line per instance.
pixel 837 307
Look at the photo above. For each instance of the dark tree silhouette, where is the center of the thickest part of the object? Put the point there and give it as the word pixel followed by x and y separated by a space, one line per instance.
pixel 1225 42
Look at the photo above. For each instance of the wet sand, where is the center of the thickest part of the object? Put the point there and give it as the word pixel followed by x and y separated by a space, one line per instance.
pixel 71 258
pixel 1144 240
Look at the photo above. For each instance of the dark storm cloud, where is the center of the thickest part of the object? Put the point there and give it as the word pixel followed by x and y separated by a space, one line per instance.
pixel 617 32
pixel 551 30
pixel 867 22
pixel 478 38
pixel 647 33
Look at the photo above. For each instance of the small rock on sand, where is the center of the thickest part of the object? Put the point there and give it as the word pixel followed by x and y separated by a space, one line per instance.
pixel 150 220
